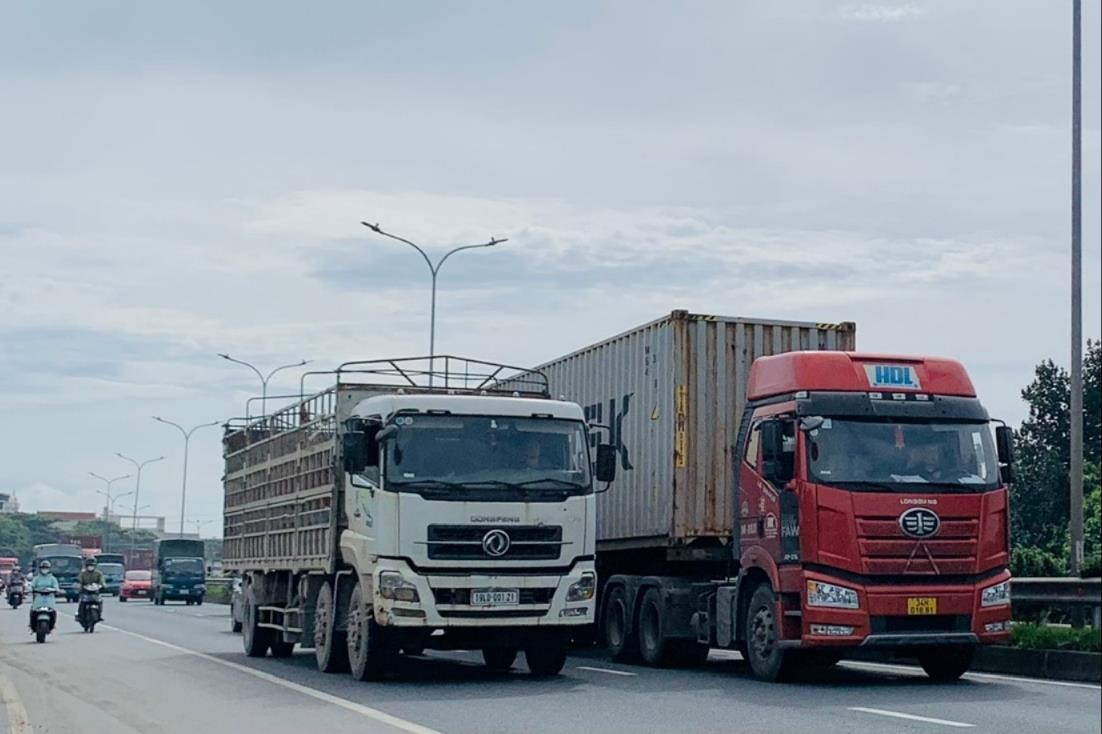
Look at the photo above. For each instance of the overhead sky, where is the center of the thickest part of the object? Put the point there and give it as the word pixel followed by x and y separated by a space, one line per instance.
pixel 178 180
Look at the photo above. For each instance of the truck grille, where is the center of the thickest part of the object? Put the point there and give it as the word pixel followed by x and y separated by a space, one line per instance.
pixel 464 543
pixel 886 550
pixel 920 624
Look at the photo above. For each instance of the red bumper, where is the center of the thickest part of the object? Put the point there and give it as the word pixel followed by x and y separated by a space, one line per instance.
pixel 906 615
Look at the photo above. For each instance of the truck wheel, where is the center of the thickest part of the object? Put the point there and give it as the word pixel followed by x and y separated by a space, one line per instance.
pixel 499 659
pixel 767 660
pixel 622 646
pixel 546 657
pixel 652 643
pixel 330 646
pixel 255 639
pixel 371 655
pixel 946 663
pixel 282 648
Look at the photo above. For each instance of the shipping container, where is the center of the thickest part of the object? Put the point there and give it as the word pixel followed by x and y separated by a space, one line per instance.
pixel 671 393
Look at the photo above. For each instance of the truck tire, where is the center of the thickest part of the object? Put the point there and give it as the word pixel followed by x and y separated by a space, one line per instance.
pixel 622 645
pixel 255 639
pixel 546 657
pixel 330 646
pixel 946 664
pixel 371 652
pixel 653 646
pixel 499 659
pixel 767 660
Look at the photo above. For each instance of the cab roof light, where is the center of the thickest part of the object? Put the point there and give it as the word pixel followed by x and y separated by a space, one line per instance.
pixel 899 396
pixel 801 395
pixel 922 396
pixel 876 395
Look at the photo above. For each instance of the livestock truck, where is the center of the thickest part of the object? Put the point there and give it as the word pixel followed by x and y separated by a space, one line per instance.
pixel 784 496
pixel 414 504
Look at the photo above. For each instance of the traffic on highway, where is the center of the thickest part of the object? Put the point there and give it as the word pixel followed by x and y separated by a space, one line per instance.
pixel 178 668
pixel 754 383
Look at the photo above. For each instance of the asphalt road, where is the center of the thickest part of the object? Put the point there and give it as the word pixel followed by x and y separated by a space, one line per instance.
pixel 176 669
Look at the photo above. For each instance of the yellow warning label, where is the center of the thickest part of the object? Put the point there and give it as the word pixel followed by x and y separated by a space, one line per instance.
pixel 681 425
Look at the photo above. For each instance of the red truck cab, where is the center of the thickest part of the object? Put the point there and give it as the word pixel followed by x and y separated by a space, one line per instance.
pixel 872 511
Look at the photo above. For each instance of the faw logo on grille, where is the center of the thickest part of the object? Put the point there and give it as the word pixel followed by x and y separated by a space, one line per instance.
pixel 920 523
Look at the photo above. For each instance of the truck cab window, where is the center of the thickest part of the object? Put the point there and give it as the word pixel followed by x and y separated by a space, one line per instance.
pixel 752 444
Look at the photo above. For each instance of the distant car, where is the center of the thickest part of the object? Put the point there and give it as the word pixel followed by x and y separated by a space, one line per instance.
pixel 236 608
pixel 136 585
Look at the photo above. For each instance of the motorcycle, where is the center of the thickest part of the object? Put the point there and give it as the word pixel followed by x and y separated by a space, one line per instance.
pixel 90 609
pixel 44 616
pixel 15 595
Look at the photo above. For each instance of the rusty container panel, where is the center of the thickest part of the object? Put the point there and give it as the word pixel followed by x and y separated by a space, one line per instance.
pixel 672 393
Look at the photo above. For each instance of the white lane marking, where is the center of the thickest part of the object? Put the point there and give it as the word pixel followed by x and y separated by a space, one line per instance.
pixel 366 711
pixel 13 707
pixel 915 670
pixel 981 676
pixel 610 671
pixel 912 717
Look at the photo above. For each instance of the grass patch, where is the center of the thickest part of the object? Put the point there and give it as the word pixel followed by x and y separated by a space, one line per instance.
pixel 1033 636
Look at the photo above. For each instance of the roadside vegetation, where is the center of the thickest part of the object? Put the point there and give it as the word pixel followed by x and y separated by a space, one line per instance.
pixel 1032 636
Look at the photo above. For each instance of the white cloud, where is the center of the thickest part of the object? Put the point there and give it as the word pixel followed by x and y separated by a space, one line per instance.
pixel 881 12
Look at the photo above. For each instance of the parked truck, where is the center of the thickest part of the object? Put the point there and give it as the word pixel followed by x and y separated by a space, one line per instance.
pixel 414 504
pixel 179 571
pixel 783 496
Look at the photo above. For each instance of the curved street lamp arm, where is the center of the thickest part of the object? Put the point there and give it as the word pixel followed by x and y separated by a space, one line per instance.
pixel 491 243
pixel 177 426
pixel 302 363
pixel 228 358
pixel 378 230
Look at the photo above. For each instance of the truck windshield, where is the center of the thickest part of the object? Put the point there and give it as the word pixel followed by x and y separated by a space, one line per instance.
pixel 434 454
pixel 181 566
pixel 64 565
pixel 910 457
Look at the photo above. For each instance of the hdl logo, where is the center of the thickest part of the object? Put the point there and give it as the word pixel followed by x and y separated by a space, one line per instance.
pixel 892 375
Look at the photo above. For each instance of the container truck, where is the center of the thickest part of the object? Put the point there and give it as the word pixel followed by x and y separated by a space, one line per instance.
pixel 783 496
pixel 179 571
pixel 414 504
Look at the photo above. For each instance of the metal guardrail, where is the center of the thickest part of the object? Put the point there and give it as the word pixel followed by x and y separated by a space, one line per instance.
pixel 1059 592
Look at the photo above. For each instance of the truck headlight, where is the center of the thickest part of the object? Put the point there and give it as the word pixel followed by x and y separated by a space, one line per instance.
pixel 393 586
pixel 996 595
pixel 820 594
pixel 584 588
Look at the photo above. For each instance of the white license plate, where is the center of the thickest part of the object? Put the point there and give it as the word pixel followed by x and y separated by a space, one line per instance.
pixel 494 597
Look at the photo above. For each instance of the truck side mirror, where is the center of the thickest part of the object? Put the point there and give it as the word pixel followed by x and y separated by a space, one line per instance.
pixel 606 462
pixel 1004 443
pixel 774 467
pixel 355 452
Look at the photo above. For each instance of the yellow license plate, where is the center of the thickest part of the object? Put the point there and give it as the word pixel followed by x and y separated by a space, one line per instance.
pixel 922 605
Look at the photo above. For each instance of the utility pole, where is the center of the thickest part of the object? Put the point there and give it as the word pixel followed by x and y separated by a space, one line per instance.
pixel 109 505
pixel 1075 473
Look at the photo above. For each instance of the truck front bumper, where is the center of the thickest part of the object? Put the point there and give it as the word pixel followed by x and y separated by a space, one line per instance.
pixel 445 600
pixel 907 615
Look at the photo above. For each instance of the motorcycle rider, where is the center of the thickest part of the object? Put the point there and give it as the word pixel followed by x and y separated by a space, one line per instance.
pixel 43 580
pixel 90 575
pixel 16 580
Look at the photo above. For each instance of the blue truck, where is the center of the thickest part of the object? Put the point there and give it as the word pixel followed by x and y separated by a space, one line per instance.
pixel 179 571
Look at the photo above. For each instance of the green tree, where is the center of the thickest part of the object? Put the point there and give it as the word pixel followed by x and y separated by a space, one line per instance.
pixel 1039 503
pixel 15 539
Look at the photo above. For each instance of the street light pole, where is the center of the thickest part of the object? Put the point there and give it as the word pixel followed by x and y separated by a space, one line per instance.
pixel 138 465
pixel 186 433
pixel 434 270
pixel 109 506
pixel 1075 470
pixel 264 379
